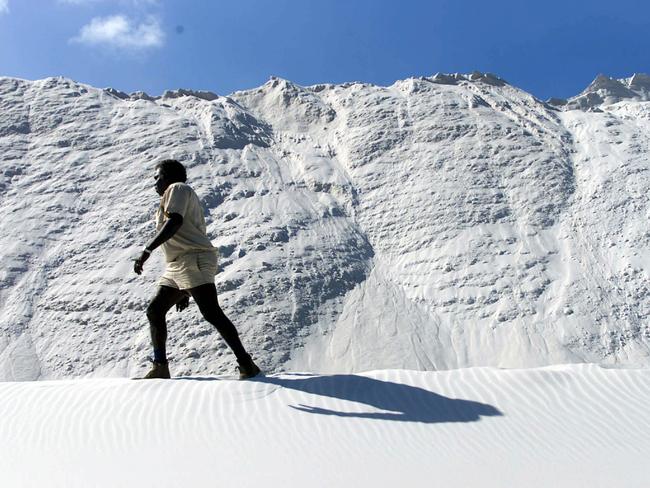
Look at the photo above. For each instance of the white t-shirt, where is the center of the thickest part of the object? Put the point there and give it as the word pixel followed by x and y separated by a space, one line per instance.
pixel 191 237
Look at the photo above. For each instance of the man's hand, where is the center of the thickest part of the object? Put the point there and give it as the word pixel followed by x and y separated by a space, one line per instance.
pixel 139 262
pixel 183 303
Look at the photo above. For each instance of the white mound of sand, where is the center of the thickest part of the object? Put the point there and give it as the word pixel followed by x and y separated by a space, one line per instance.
pixel 437 223
pixel 560 426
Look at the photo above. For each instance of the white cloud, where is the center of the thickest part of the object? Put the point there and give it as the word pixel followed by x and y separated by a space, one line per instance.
pixel 121 32
pixel 4 6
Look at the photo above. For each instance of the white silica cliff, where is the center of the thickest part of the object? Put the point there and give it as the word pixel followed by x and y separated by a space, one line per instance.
pixel 441 222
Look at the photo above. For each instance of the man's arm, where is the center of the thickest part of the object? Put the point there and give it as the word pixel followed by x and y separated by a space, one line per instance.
pixel 165 233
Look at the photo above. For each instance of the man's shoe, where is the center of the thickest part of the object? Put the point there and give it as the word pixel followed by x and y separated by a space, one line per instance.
pixel 248 369
pixel 158 370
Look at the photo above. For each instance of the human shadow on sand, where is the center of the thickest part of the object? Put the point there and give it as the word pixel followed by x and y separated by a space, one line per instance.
pixel 397 401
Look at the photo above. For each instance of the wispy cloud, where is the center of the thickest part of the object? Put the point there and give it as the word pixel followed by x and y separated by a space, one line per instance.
pixel 121 32
pixel 4 6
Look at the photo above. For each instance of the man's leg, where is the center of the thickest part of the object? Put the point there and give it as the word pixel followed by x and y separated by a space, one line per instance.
pixel 205 297
pixel 165 298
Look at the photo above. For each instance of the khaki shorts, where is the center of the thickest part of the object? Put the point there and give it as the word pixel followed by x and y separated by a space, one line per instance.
pixel 190 270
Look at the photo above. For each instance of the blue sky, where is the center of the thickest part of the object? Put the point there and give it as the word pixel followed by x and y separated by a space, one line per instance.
pixel 550 48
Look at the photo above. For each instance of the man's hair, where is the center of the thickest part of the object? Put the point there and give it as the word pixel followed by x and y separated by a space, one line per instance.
pixel 173 170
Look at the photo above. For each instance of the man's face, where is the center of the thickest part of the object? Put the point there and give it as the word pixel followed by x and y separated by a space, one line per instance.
pixel 161 182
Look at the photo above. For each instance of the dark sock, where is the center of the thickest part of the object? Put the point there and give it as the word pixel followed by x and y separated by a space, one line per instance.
pixel 245 359
pixel 159 356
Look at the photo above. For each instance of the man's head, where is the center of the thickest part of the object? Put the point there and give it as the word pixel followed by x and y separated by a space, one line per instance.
pixel 167 172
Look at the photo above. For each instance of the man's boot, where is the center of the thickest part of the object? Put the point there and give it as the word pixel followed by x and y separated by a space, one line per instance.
pixel 247 369
pixel 158 370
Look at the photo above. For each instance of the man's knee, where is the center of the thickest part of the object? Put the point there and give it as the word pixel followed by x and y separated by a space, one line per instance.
pixel 213 314
pixel 155 312
pixel 165 298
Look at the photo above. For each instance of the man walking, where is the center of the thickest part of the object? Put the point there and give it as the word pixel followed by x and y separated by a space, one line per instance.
pixel 191 265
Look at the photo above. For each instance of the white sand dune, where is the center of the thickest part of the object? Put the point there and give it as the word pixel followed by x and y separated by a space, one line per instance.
pixel 573 426
pixel 438 223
